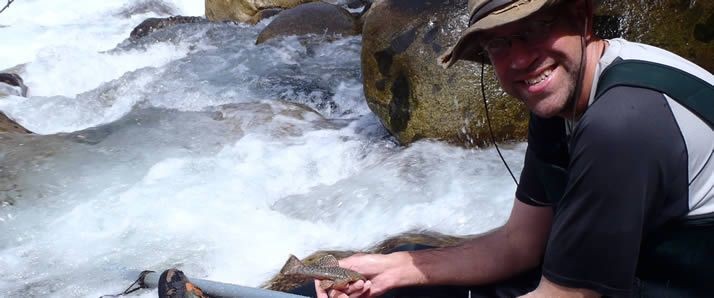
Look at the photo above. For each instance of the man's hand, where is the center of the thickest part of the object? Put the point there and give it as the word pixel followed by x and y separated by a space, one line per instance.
pixel 381 272
pixel 356 289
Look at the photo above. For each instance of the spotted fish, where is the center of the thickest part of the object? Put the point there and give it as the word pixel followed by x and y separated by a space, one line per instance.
pixel 326 269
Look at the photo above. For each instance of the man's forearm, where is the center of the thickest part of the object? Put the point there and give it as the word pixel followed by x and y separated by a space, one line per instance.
pixel 515 247
pixel 485 259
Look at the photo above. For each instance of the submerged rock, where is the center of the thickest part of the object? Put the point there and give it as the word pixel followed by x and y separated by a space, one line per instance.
pixel 152 24
pixel 413 96
pixel 311 18
pixel 246 11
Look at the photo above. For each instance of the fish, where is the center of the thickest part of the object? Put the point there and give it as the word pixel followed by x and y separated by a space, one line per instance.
pixel 327 269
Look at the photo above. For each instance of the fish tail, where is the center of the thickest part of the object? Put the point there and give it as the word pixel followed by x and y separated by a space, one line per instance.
pixel 292 265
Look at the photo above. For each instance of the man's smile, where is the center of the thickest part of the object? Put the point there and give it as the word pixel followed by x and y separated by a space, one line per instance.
pixel 539 77
pixel 537 81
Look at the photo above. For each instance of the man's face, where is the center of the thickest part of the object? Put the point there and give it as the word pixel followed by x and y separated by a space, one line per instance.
pixel 540 65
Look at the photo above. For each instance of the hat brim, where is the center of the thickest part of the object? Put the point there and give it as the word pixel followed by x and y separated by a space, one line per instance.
pixel 468 48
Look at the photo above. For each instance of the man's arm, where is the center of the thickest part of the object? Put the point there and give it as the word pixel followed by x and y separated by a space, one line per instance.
pixel 516 246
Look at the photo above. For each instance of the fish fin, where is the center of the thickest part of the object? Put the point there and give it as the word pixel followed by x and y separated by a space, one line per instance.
pixel 292 265
pixel 326 284
pixel 328 261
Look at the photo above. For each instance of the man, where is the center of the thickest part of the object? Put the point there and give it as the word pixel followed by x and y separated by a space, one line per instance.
pixel 616 196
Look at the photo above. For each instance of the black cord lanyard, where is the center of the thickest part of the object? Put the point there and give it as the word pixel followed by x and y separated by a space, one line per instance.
pixel 488 120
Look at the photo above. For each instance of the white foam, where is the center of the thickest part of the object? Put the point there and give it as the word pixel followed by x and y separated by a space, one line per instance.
pixel 68 71
pixel 234 216
pixel 189 7
pixel 168 178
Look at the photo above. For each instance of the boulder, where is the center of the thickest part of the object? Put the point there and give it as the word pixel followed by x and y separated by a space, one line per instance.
pixel 311 18
pixel 152 24
pixel 413 96
pixel 245 11
pixel 683 27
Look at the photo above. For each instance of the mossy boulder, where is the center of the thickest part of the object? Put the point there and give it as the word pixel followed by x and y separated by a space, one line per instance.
pixel 682 26
pixel 246 11
pixel 412 95
pixel 311 18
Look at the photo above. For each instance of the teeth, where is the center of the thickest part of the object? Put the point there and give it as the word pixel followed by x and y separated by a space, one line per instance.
pixel 544 75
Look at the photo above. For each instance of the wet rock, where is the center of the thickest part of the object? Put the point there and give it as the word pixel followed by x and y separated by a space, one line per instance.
pixel 358 3
pixel 311 18
pixel 683 27
pixel 12 84
pixel 400 242
pixel 360 15
pixel 152 24
pixel 245 11
pixel 9 125
pixel 266 13
pixel 412 95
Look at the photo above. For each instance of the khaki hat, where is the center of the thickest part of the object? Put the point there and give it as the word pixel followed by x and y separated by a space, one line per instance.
pixel 487 14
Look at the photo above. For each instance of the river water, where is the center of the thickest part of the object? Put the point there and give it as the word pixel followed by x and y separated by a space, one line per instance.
pixel 196 149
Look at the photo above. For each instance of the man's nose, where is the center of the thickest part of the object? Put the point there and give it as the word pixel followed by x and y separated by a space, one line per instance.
pixel 522 55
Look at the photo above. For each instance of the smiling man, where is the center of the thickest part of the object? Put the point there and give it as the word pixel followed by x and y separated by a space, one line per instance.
pixel 616 196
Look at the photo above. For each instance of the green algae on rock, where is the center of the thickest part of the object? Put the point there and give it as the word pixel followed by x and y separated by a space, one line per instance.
pixel 412 95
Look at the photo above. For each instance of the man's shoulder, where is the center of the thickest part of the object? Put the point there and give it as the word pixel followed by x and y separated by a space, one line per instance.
pixel 626 111
pixel 629 50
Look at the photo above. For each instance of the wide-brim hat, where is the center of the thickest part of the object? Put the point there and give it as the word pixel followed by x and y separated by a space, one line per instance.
pixel 488 14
